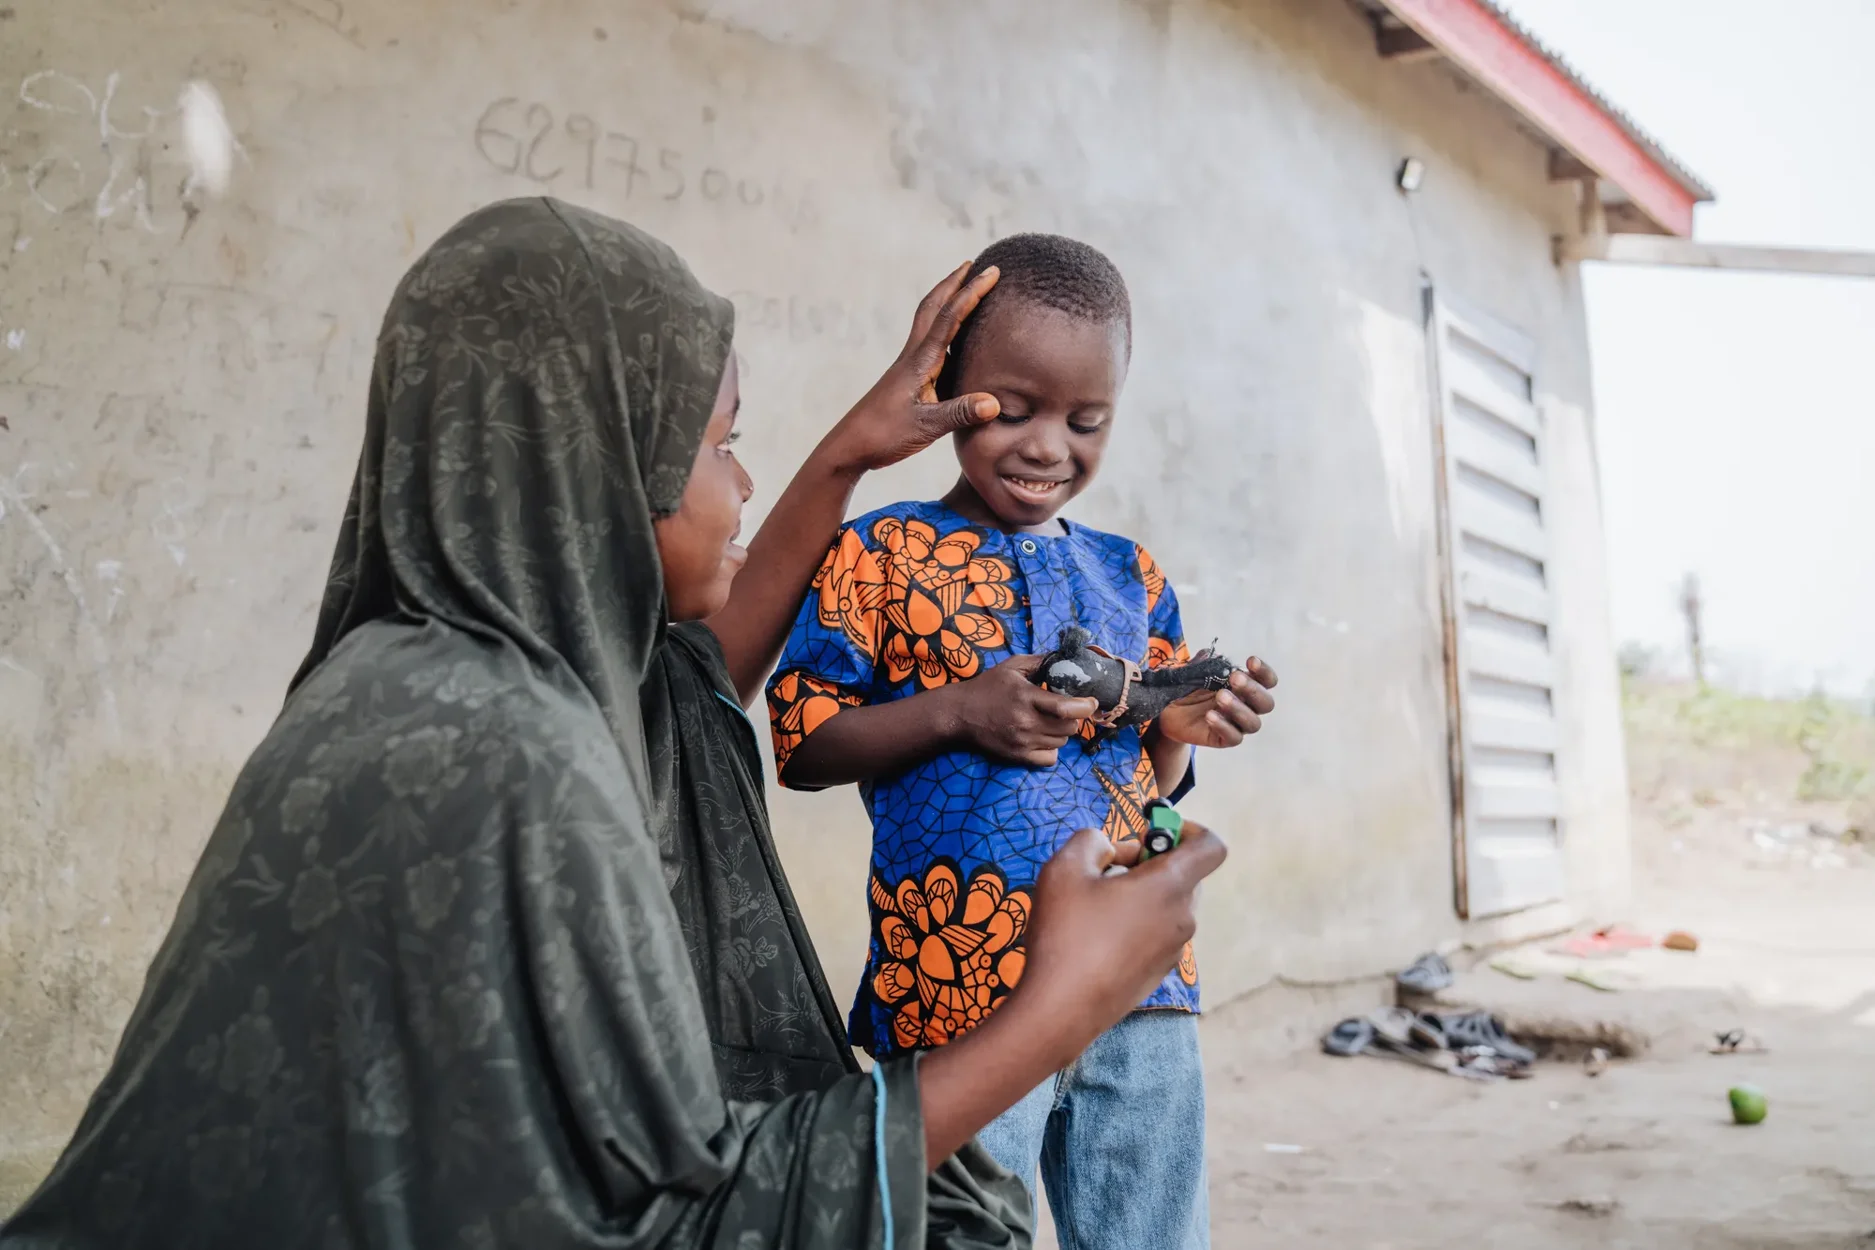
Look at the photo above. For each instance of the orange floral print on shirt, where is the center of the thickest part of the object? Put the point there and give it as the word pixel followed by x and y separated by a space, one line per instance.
pixel 1126 819
pixel 949 953
pixel 941 598
pixel 1153 576
pixel 1163 651
pixel 798 705
pixel 851 588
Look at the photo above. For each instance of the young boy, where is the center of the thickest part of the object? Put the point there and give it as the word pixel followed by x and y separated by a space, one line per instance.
pixel 908 672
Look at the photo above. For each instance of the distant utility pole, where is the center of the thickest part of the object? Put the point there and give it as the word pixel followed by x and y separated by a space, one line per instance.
pixel 1690 604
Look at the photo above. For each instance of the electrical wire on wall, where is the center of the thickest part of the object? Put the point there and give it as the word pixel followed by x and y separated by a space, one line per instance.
pixel 1407 179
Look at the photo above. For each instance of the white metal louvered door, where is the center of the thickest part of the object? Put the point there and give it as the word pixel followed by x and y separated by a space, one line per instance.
pixel 1502 677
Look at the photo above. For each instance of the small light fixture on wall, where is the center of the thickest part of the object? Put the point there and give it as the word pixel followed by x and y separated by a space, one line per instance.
pixel 1411 173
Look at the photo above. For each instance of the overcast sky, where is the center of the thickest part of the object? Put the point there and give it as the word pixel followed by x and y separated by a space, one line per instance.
pixel 1735 420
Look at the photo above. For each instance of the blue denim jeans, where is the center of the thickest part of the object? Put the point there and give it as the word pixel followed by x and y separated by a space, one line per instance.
pixel 1120 1139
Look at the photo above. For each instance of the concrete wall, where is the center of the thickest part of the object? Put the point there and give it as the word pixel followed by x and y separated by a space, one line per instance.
pixel 184 391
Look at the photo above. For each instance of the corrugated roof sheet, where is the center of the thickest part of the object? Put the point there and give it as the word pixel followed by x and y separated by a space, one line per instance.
pixel 1619 116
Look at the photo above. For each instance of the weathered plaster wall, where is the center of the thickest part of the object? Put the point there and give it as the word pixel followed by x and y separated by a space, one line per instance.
pixel 183 391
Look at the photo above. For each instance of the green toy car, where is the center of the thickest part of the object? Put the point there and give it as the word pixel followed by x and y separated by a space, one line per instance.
pixel 1164 827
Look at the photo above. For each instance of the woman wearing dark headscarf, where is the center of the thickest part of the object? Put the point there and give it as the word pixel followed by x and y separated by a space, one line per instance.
pixel 428 986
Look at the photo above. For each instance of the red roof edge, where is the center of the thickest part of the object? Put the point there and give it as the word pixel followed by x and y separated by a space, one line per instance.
pixel 1487 44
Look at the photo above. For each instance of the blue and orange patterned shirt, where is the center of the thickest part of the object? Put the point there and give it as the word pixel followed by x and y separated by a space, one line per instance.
pixel 912 597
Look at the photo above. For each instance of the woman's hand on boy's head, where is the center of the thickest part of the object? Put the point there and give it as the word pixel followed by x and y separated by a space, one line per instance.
pixel 1223 718
pixel 901 415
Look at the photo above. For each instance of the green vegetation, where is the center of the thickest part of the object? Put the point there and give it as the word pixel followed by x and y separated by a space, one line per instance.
pixel 1837 737
pixel 1718 718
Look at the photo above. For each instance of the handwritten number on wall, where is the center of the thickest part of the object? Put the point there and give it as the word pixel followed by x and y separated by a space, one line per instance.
pixel 539 116
pixel 507 159
pixel 628 162
pixel 523 138
pixel 586 131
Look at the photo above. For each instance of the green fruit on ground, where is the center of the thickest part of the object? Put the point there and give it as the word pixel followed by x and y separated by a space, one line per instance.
pixel 1747 1104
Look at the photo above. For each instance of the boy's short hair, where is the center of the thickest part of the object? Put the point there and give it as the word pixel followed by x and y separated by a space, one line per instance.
pixel 1050 270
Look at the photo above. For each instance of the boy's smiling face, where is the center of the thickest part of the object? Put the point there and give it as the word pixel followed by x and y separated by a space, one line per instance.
pixel 1058 379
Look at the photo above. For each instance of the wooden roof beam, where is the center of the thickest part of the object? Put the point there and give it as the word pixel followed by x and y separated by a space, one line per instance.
pixel 1403 43
pixel 1654 249
pixel 1565 166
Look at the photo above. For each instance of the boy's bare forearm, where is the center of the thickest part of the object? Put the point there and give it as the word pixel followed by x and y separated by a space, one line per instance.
pixel 1170 760
pixel 862 743
pixel 783 557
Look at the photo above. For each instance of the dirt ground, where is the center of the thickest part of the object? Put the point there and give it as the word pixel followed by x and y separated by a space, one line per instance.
pixel 1645 1155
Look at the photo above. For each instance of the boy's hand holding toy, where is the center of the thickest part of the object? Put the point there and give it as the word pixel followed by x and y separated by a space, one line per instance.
pixel 1206 702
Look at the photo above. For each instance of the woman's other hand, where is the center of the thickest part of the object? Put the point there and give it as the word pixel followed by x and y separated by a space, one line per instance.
pixel 1097 946
pixel 901 415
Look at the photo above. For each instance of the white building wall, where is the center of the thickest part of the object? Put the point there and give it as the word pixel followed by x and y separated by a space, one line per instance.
pixel 184 392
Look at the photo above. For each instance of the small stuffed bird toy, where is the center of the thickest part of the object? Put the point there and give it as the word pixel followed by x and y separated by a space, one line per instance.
pixel 1126 693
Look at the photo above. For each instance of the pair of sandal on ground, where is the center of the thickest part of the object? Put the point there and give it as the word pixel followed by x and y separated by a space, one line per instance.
pixel 1460 1043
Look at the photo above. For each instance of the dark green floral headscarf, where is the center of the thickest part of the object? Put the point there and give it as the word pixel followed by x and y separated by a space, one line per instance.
pixel 543 380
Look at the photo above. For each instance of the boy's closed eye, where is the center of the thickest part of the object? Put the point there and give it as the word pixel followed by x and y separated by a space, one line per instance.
pixel 1079 424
